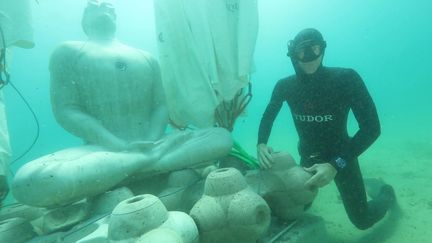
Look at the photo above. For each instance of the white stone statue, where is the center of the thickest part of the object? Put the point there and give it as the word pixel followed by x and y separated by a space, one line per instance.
pixel 111 96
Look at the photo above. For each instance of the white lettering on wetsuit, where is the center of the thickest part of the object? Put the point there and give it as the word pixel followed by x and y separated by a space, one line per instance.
pixel 232 6
pixel 308 118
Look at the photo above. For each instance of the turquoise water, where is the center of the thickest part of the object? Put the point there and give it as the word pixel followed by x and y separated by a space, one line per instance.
pixel 387 42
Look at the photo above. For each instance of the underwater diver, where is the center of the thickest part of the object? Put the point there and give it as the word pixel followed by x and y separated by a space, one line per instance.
pixel 320 99
pixel 111 96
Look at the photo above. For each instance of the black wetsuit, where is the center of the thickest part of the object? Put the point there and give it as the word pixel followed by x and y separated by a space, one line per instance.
pixel 319 105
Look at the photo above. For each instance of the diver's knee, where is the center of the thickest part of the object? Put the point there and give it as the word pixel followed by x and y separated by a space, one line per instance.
pixel 361 224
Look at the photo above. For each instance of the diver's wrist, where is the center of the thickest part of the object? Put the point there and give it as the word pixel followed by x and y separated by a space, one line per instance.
pixel 339 163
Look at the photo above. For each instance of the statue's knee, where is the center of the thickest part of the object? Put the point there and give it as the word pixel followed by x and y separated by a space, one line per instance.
pixel 224 138
pixel 33 186
pixel 20 179
pixel 21 188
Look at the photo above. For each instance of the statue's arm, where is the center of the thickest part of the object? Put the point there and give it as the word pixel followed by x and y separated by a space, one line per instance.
pixel 159 114
pixel 68 108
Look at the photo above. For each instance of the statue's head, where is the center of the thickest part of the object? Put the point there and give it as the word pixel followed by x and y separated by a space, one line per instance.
pixel 99 20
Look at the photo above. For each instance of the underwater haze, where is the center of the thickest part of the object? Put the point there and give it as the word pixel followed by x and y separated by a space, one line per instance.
pixel 387 42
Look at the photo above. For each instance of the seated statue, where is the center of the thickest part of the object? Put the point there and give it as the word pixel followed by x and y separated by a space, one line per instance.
pixel 111 96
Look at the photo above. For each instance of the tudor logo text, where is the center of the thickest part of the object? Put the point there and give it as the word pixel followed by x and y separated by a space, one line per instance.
pixel 309 118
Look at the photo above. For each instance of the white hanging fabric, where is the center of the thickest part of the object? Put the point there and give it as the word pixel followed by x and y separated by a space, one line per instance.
pixel 15 20
pixel 206 54
pixel 5 150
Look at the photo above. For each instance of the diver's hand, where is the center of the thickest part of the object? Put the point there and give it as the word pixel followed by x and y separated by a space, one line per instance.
pixel 323 174
pixel 264 156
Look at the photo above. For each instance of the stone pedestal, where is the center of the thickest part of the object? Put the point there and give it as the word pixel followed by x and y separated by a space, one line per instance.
pixel 160 235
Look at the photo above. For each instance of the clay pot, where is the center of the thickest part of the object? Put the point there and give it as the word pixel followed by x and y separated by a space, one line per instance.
pixel 248 216
pixel 294 181
pixel 230 211
pixel 183 225
pixel 208 214
pixel 135 216
pixel 283 187
pixel 224 182
pixel 282 161
pixel 160 235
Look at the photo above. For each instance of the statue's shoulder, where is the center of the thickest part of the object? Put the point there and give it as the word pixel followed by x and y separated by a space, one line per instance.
pixel 137 52
pixel 67 48
pixel 70 46
pixel 64 52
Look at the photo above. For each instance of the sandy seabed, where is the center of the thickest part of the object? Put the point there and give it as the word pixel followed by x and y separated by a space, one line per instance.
pixel 404 162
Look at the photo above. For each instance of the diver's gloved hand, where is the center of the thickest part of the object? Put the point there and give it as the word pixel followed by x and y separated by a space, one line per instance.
pixel 323 174
pixel 4 187
pixel 264 156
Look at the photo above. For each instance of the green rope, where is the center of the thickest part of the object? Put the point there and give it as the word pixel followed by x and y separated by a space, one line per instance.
pixel 238 152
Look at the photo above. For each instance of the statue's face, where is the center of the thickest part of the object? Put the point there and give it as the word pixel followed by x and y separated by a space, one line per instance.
pixel 99 19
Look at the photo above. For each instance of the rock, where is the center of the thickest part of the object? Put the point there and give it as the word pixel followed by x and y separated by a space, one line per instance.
pixel 62 218
pixel 16 230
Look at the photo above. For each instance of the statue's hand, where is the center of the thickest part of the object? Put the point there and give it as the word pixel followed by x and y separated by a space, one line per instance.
pixel 323 174
pixel 114 144
pixel 141 146
pixel 264 156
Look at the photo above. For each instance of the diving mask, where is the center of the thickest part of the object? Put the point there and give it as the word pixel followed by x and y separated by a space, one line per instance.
pixel 306 51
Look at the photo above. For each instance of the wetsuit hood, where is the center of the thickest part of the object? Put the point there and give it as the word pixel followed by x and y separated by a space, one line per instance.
pixel 307 35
